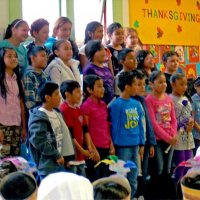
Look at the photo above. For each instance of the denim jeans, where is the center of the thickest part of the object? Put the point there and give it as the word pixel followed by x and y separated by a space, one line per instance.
pixel 163 160
pixel 77 169
pixel 130 153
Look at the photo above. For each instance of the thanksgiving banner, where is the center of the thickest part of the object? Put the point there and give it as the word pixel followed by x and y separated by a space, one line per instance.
pixel 164 22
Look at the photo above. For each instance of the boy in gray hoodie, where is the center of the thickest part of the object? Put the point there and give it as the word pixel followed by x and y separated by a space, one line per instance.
pixel 50 143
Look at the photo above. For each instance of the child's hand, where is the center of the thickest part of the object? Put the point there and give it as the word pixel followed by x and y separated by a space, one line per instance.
pixel 60 161
pixel 23 135
pixel 1 137
pixel 96 156
pixel 151 151
pixel 174 140
pixel 141 152
pixel 112 150
pixel 87 154
pixel 190 125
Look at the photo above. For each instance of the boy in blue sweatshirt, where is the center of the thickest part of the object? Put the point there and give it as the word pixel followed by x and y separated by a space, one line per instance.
pixel 127 129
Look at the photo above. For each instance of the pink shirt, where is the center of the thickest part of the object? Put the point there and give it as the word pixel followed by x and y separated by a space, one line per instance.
pixel 97 122
pixel 162 116
pixel 10 110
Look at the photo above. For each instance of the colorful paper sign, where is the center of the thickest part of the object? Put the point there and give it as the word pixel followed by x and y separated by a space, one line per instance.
pixel 164 22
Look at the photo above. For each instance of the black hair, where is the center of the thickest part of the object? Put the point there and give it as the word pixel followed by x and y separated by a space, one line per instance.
pixel 15 24
pixel 37 25
pixel 92 47
pixel 110 191
pixel 176 76
pixel 91 27
pixel 55 47
pixel 33 51
pixel 141 55
pixel 196 82
pixel 17 185
pixel 155 75
pixel 68 86
pixel 112 27
pixel 139 74
pixel 123 53
pixel 3 84
pixel 89 82
pixel 126 78
pixel 46 88
pixel 168 54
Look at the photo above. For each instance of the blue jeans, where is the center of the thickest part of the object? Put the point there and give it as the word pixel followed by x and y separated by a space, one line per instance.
pixel 163 160
pixel 130 153
pixel 77 169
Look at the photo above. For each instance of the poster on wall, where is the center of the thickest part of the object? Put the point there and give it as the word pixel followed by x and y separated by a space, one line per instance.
pixel 191 71
pixel 154 49
pixel 166 22
pixel 180 51
pixel 193 54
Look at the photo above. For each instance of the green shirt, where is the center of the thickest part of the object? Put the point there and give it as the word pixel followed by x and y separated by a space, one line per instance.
pixel 21 53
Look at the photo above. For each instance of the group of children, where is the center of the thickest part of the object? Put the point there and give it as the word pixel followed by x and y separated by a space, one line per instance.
pixel 128 107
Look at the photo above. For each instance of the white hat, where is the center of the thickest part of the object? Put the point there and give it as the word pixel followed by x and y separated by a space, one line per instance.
pixel 64 185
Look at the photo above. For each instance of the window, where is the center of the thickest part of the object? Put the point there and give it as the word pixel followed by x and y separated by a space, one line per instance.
pixel 86 11
pixel 47 9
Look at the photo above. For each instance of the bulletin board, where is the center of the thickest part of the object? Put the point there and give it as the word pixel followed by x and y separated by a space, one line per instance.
pixel 172 22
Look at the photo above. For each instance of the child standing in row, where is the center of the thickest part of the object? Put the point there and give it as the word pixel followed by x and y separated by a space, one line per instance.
pixel 97 56
pixel 163 119
pixel 12 112
pixel 61 66
pixel 127 59
pixel 196 113
pixel 71 93
pixel 50 144
pixel 127 127
pixel 95 111
pixel 93 31
pixel 171 62
pixel 116 38
pixel 16 33
pixel 131 39
pixel 34 75
pixel 183 110
pixel 40 32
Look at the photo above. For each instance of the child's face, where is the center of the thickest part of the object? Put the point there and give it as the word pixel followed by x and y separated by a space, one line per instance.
pixel 98 90
pixel 65 51
pixel 97 34
pixel 42 35
pixel 54 99
pixel 100 56
pixel 172 64
pixel 180 86
pixel 40 60
pixel 140 87
pixel 75 97
pixel 149 62
pixel 117 37
pixel 131 40
pixel 132 90
pixel 64 31
pixel 21 32
pixel 197 88
pixel 130 61
pixel 10 59
pixel 159 85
